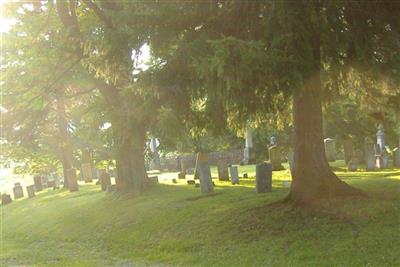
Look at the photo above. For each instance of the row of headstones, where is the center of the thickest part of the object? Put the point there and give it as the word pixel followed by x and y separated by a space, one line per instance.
pixel 42 182
pixel 263 174
pixel 39 183
pixel 375 156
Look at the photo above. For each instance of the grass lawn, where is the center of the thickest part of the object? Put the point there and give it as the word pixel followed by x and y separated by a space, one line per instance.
pixel 171 225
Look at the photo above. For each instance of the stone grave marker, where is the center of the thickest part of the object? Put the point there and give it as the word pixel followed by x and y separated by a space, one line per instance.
pixel 18 191
pixel 263 177
pixel 38 183
pixel 31 190
pixel 275 157
pixel 153 179
pixel 5 199
pixel 181 175
pixel 330 149
pixel 206 185
pixel 234 174
pixel 223 172
pixel 369 154
pixel 105 180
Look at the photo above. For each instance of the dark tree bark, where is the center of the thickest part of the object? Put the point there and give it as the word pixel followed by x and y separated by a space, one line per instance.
pixel 129 143
pixel 65 145
pixel 312 177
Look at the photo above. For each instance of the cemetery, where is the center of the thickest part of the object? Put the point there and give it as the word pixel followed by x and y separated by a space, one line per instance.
pixel 200 133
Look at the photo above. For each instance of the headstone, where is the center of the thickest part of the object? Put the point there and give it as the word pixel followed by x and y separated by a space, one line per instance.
pixel 174 181
pixel 234 175
pixel 87 173
pixel 191 182
pixel 181 175
pixel 38 183
pixel 263 177
pixel 5 199
pixel 153 179
pixel 248 153
pixel 18 191
pixel 72 180
pixel 396 157
pixel 369 154
pixel 31 190
pixel 353 164
pixel 330 149
pixel 105 180
pixel 223 172
pixel 206 186
pixel 245 175
pixel 275 157
pixel 380 137
pixel 154 143
pixel 348 150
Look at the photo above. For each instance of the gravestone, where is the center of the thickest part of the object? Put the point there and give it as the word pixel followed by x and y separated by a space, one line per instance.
pixel 291 159
pixel 223 172
pixel 87 173
pixel 31 190
pixel 181 175
pixel 191 182
pixel 275 157
pixel 234 174
pixel 5 199
pixel 105 180
pixel 72 180
pixel 248 153
pixel 369 154
pixel 348 150
pixel 330 149
pixel 385 157
pixel 152 179
pixel 37 180
pixel 353 164
pixel 396 157
pixel 263 177
pixel 206 185
pixel 18 191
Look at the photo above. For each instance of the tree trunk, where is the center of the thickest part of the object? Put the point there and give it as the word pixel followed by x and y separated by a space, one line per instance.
pixel 312 177
pixel 129 143
pixel 65 145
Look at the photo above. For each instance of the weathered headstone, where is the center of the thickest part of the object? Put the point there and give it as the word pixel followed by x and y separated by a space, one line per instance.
pixel 31 190
pixel 72 180
pixel 396 157
pixel 153 179
pixel 353 164
pixel 18 191
pixel 223 172
pixel 38 183
pixel 5 199
pixel 263 177
pixel 380 137
pixel 204 171
pixel 87 173
pixel 248 153
pixel 105 180
pixel 330 149
pixel 181 175
pixel 348 150
pixel 234 174
pixel 275 157
pixel 206 185
pixel 369 154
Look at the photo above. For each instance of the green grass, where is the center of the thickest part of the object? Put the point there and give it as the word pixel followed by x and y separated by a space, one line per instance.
pixel 171 225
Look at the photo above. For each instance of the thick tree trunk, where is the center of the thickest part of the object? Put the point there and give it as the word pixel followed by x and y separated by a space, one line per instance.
pixel 65 145
pixel 312 177
pixel 129 144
